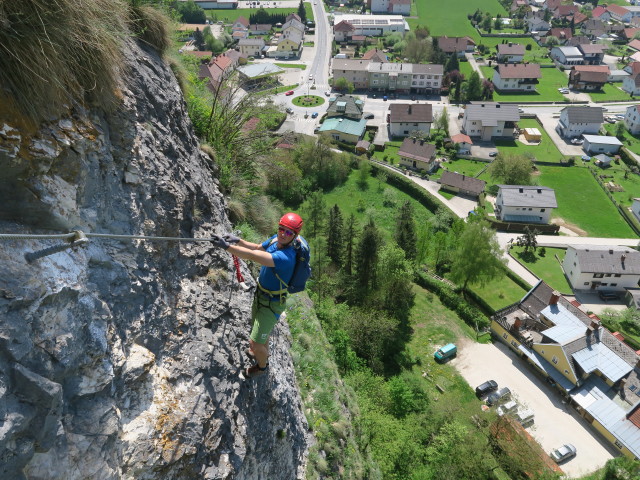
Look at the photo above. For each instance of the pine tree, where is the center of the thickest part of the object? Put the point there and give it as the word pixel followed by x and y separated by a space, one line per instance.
pixel 316 212
pixel 452 63
pixel 406 231
pixel 367 256
pixel 349 237
pixel 474 87
pixel 335 247
pixel 302 13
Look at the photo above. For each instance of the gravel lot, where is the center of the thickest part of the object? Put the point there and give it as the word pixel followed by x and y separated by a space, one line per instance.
pixel 555 422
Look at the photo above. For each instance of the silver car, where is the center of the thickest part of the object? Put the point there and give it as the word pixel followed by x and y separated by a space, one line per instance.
pixel 562 453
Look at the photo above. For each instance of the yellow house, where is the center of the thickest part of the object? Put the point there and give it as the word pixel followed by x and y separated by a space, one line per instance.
pixel 594 370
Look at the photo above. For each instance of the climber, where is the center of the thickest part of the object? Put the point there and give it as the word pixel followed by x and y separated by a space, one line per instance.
pixel 278 258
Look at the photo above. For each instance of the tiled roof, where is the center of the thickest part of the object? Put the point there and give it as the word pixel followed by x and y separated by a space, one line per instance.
pixel 584 114
pixel 242 21
pixel 617 9
pixel 592 48
pixel 561 33
pixel 510 49
pixel 463 182
pixel 596 12
pixel 490 113
pixel 603 259
pixel 343 26
pixel 519 70
pixel 375 55
pixel 635 44
pixel 460 138
pixel 407 112
pixel 454 44
pixel 630 32
pixel 417 149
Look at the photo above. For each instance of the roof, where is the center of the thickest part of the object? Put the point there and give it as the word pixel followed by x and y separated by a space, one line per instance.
pixel 294 36
pixel 561 32
pixel 519 70
pixel 510 49
pixel 579 17
pixel 344 125
pixel 617 9
pixel 569 51
pixel 454 44
pixel 260 70
pixel 293 23
pixel 527 196
pixel 251 41
pixel 584 114
pixel 460 138
pixel 345 105
pixel 607 259
pixel 635 44
pixel 490 113
pixel 596 12
pixel 243 21
pixel 407 112
pixel 375 55
pixel 630 32
pixel 417 149
pixel 566 10
pixel 293 16
pixel 603 139
pixel 599 357
pixel 463 182
pixel 343 26
pixel 590 73
pixel 592 48
pixel 260 26
pixel 350 64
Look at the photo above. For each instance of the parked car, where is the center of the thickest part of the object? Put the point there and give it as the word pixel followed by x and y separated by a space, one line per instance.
pixel 314 115
pixel 493 154
pixel 508 407
pixel 500 396
pixel 289 110
pixel 327 93
pixel 608 295
pixel 486 387
pixel 562 453
pixel 524 417
pixel 311 76
pixel 368 116
pixel 448 351
pixel 290 92
pixel 619 117
pixel 577 141
pixel 385 98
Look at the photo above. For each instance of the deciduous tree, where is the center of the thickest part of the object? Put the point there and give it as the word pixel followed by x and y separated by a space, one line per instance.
pixel 511 169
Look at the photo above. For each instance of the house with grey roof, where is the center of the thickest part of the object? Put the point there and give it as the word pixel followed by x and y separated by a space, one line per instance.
pixel 405 118
pixel 510 52
pixel 525 203
pixel 346 106
pixel 251 47
pixel 601 144
pixel 458 183
pixel 575 121
pixel 593 268
pixel 417 154
pixel 590 367
pixel 489 120
pixel 567 56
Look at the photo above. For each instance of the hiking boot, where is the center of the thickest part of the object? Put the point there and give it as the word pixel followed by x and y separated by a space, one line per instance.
pixel 254 371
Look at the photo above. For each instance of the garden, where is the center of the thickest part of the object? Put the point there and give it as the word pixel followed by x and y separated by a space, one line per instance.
pixel 545 151
pixel 609 93
pixel 630 142
pixel 546 89
pixel 308 101
pixel 544 263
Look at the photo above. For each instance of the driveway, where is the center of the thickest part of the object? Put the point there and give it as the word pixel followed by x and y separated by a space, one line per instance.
pixel 555 422
pixel 549 122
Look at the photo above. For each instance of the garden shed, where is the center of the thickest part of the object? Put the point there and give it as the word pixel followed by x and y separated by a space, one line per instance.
pixel 532 135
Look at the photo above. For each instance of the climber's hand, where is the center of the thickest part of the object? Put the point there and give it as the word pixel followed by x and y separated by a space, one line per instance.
pixel 230 238
pixel 220 242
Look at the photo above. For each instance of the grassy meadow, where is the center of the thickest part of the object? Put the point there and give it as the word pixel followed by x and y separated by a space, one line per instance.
pixel 546 267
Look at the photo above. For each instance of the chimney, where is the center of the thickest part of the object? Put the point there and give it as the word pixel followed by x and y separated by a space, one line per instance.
pixel 611 251
pixel 555 295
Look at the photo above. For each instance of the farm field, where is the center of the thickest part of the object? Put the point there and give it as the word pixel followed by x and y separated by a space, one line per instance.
pixel 546 151
pixel 547 89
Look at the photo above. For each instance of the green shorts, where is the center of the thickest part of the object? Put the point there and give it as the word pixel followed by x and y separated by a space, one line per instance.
pixel 265 316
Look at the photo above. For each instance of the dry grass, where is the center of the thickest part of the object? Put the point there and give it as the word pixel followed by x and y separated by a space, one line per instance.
pixel 151 26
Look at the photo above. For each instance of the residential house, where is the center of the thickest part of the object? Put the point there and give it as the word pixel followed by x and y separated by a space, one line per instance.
pixel 345 106
pixel 563 34
pixel 588 77
pixel 417 154
pixel 459 45
pixel 631 84
pixel 619 13
pixel 396 7
pixel 371 25
pixel 591 367
pixel 259 28
pixel 516 77
pixel 579 18
pixel 567 56
pixel 220 68
pixel 632 119
pixel 536 22
pixel 597 13
pixel 601 144
pixel 593 27
pixel 458 183
pixel 375 55
pixel 353 70
pixel 565 12
pixel 551 4
pixel 629 33
pixel 575 121
pixel 258 73
pixel 510 52
pixel 406 118
pixel 525 203
pixel 344 129
pixel 635 208
pixel 632 59
pixel 289 45
pixel 384 76
pixel 293 16
pixel 634 45
pixel 519 4
pixel 241 24
pixel 239 34
pixel 590 267
pixel 617 76
pixel 343 31
pixel 463 142
pixel 634 10
pixel 592 53
pixel 293 27
pixel 394 77
pixel 251 47
pixel 578 40
pixel 488 120
pixel 427 78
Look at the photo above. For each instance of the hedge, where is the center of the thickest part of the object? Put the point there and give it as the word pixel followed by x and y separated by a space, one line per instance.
pixel 451 299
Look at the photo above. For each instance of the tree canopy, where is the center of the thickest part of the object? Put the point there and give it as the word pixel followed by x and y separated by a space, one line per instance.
pixel 511 169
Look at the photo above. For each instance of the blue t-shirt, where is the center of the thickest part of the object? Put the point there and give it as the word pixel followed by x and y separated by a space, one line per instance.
pixel 284 260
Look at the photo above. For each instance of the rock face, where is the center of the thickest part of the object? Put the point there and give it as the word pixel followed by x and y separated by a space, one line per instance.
pixel 120 359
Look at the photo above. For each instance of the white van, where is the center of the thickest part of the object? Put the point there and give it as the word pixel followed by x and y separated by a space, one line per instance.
pixel 525 417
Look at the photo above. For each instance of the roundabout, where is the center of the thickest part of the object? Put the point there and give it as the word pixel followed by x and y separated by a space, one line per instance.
pixel 308 101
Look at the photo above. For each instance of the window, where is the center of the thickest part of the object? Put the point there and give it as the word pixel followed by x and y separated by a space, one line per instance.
pixel 504 335
pixel 555 360
pixel 618 444
pixel 415 124
pixel 542 209
pixel 617 275
pixel 514 343
pixel 586 283
pixel 375 82
pixel 421 76
pixel 604 284
pixel 607 274
pixel 613 284
pixel 428 76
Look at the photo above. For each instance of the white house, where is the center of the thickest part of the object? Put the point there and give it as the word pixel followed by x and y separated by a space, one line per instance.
pixel 575 121
pixel 405 118
pixel 619 13
pixel 251 47
pixel 525 203
pixel 635 208
pixel 632 119
pixel 601 144
pixel 536 22
pixel 240 25
pixel 567 56
pixel 396 7
pixel 293 26
pixel 593 267
pixel 631 84
pixel 464 143
pixel 417 154
pixel 510 52
pixel 517 77
pixel 371 25
pixel 489 119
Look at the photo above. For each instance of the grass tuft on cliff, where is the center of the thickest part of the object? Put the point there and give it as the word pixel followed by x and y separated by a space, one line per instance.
pixel 57 53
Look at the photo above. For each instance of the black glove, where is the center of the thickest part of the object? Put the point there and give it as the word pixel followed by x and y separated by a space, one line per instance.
pixel 220 242
pixel 230 238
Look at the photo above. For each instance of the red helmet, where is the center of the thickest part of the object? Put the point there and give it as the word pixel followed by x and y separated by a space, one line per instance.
pixel 292 221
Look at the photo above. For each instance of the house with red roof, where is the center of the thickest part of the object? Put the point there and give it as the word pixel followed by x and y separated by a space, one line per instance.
pixel 588 77
pixel 565 11
pixel 220 68
pixel 463 142
pixel 517 77
pixel 598 11
pixel 342 31
pixel 619 13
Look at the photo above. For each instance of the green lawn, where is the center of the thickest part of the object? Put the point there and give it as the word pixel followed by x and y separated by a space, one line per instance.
pixel 537 54
pixel 631 142
pixel 546 151
pixel 463 166
pixel 609 93
pixel 546 267
pixel 582 202
pixel 450 17
pixel 499 292
pixel 230 16
pixel 465 69
pixel 546 90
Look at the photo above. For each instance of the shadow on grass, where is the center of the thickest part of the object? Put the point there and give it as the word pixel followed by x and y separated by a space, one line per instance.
pixel 527 257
